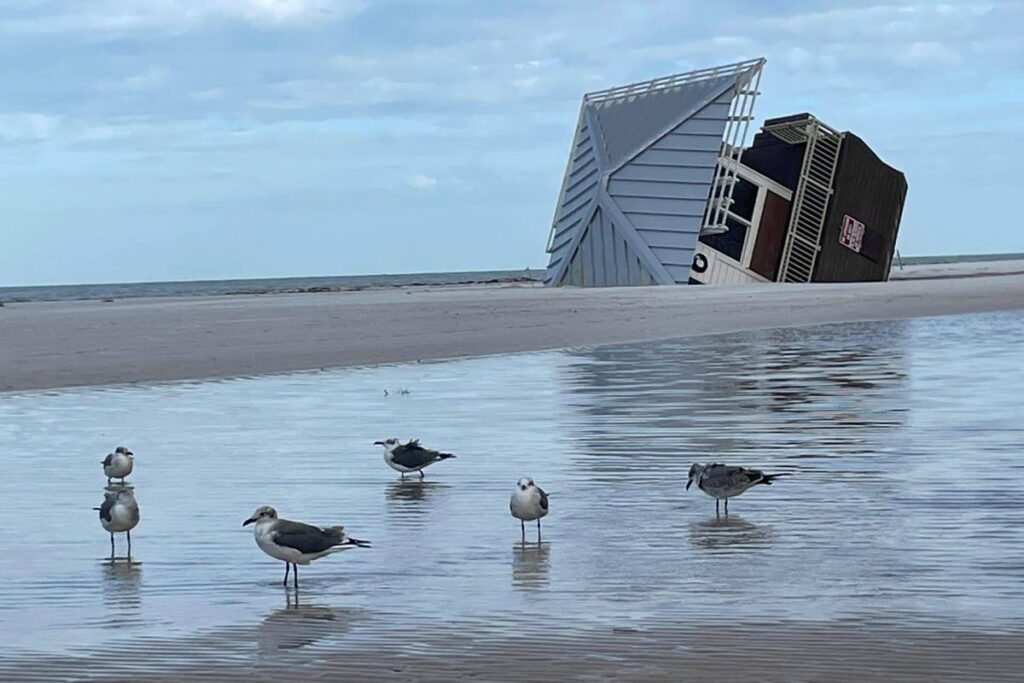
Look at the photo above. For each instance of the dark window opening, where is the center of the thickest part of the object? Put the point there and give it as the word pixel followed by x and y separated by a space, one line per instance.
pixel 744 195
pixel 730 242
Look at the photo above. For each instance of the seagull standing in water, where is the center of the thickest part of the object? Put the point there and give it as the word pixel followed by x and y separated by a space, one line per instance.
pixel 528 503
pixel 119 512
pixel 409 457
pixel 296 543
pixel 725 481
pixel 119 464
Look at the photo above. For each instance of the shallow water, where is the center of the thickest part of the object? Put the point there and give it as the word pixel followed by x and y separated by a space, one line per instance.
pixel 905 439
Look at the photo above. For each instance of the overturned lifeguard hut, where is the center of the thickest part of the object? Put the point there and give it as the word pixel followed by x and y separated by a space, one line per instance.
pixel 659 189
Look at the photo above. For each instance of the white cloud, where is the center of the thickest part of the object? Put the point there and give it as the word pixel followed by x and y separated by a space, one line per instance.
pixel 149 79
pixel 207 94
pixel 27 126
pixel 422 182
pixel 927 53
pixel 124 16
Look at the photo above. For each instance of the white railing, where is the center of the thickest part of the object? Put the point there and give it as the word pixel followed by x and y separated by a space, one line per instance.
pixel 643 87
pixel 812 195
pixel 733 140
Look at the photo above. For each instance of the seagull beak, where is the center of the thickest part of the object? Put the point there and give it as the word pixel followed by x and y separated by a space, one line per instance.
pixel 689 482
pixel 249 521
pixel 378 443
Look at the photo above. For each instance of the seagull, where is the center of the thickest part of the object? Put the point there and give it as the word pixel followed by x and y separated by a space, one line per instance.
pixel 118 464
pixel 409 457
pixel 528 503
pixel 725 481
pixel 296 543
pixel 119 512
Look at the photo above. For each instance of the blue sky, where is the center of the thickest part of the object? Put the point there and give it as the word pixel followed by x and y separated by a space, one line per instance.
pixel 183 139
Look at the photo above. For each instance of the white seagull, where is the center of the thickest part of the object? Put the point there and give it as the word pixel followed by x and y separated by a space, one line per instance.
pixel 296 543
pixel 528 503
pixel 725 481
pixel 409 457
pixel 119 513
pixel 118 464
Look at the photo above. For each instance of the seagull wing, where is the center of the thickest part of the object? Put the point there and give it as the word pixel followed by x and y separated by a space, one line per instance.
pixel 306 538
pixel 106 507
pixel 413 455
pixel 543 498
pixel 723 476
pixel 107 460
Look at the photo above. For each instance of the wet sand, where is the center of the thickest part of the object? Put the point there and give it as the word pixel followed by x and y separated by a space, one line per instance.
pixel 696 652
pixel 841 572
pixel 62 344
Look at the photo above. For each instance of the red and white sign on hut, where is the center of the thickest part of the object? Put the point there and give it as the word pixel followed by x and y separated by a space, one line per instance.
pixel 852 233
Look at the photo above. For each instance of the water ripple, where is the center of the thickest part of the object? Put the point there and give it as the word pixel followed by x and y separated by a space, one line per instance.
pixel 903 437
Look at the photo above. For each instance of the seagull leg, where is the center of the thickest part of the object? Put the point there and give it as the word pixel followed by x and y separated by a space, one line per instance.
pixel 403 474
pixel 716 508
pixel 295 577
pixel 287 566
pixel 522 527
pixel 726 507
pixel 421 474
pixel 111 547
pixel 538 531
pixel 108 481
pixel 129 534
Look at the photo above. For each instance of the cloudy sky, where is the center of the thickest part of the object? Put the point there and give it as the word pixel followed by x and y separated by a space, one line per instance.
pixel 182 139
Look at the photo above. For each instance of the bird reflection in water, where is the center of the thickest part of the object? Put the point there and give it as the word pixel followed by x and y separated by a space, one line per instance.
pixel 121 583
pixel 725 533
pixel 409 490
pixel 530 565
pixel 297 625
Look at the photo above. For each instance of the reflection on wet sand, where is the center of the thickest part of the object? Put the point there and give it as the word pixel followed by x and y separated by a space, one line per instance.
pixel 530 565
pixel 410 490
pixel 410 501
pixel 819 387
pixel 877 422
pixel 299 624
pixel 121 583
pixel 727 533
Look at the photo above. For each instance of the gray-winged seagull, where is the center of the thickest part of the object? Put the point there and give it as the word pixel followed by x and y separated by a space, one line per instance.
pixel 528 503
pixel 409 457
pixel 119 513
pixel 119 464
pixel 296 543
pixel 725 481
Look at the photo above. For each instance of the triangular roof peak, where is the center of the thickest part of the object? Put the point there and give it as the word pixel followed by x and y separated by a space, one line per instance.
pixel 674 81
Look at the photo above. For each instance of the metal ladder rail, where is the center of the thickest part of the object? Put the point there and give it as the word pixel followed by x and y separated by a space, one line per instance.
pixel 734 138
pixel 810 203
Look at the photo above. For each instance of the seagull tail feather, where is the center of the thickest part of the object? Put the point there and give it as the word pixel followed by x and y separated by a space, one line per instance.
pixel 357 542
pixel 768 478
pixel 445 456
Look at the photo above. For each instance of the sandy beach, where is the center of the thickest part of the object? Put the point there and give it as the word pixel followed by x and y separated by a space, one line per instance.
pixel 877 559
pixel 701 652
pixel 60 344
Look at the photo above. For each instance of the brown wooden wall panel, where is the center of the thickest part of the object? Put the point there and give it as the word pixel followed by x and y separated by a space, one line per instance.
pixel 771 235
pixel 872 192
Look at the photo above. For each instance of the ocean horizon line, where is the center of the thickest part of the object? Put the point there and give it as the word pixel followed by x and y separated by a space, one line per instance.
pixel 262 285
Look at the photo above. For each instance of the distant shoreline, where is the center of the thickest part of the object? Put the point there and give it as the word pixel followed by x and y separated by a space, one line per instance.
pixel 48 345
pixel 961 258
pixel 260 286
pixel 352 283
